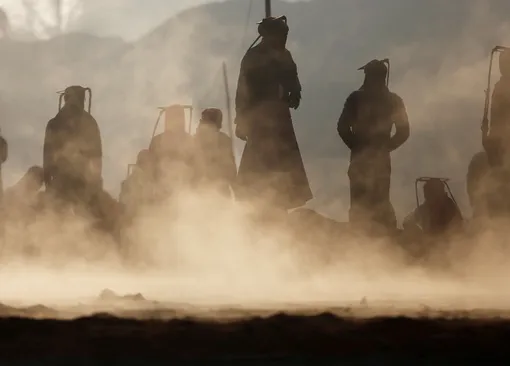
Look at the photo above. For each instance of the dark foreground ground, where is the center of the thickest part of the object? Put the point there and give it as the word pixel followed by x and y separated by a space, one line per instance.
pixel 280 339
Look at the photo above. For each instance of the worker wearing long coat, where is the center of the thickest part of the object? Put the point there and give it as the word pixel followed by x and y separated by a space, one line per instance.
pixel 271 168
pixel 365 126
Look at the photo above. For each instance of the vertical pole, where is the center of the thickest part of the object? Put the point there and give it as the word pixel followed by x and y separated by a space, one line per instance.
pixel 268 8
pixel 58 15
pixel 227 95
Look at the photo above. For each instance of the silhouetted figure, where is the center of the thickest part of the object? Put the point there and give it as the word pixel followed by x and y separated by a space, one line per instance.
pixel 438 215
pixel 271 167
pixel 215 162
pixel 73 150
pixel 365 126
pixel 498 147
pixel 172 152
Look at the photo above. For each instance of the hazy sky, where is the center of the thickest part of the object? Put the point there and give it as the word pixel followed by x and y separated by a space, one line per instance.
pixel 115 17
pixel 149 10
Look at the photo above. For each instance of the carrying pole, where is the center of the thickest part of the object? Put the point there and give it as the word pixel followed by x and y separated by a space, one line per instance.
pixel 268 8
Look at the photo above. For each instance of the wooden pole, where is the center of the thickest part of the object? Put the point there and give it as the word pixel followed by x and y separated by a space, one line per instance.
pixel 229 109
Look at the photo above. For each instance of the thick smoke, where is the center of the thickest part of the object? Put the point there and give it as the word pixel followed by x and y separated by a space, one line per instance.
pixel 211 253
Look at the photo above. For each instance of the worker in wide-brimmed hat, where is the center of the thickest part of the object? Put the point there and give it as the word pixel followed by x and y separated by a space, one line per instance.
pixel 365 126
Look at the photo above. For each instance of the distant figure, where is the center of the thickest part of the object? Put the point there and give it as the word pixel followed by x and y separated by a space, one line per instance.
pixel 73 150
pixel 271 168
pixel 438 214
pixel 4 25
pixel 172 152
pixel 498 146
pixel 215 162
pixel 365 126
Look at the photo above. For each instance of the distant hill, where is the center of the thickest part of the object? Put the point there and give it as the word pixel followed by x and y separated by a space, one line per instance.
pixel 439 60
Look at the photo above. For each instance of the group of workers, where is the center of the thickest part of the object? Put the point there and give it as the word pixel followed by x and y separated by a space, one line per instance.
pixel 177 161
pixel 271 170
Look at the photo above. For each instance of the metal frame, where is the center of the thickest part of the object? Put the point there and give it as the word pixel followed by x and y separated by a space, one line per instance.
pixel 427 179
pixel 162 111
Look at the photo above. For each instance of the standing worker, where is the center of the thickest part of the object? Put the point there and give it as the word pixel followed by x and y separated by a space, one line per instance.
pixel 214 159
pixel 73 150
pixel 365 126
pixel 271 171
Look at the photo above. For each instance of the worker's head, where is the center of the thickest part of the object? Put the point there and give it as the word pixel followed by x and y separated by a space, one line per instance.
pixel 74 96
pixel 274 31
pixel 175 119
pixel 212 117
pixel 504 63
pixel 434 190
pixel 376 73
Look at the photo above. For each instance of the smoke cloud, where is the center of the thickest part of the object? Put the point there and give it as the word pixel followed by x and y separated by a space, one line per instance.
pixel 211 252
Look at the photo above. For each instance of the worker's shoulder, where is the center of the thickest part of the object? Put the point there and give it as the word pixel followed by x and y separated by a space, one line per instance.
pixel 395 98
pixel 87 116
pixel 54 123
pixel 354 97
pixel 253 56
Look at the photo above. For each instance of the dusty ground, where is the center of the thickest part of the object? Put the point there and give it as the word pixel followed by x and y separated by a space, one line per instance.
pixel 133 330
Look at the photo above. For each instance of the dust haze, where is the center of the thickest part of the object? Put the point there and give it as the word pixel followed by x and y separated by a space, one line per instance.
pixel 211 253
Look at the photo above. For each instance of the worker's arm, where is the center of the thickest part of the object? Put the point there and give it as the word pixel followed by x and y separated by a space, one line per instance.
pixel 292 80
pixel 242 99
pixel 401 121
pixel 346 120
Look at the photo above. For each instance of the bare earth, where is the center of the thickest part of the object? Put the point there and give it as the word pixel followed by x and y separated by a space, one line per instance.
pixel 135 331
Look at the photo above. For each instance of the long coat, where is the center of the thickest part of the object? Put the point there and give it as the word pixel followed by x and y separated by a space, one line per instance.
pixel 271 166
pixel 365 126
